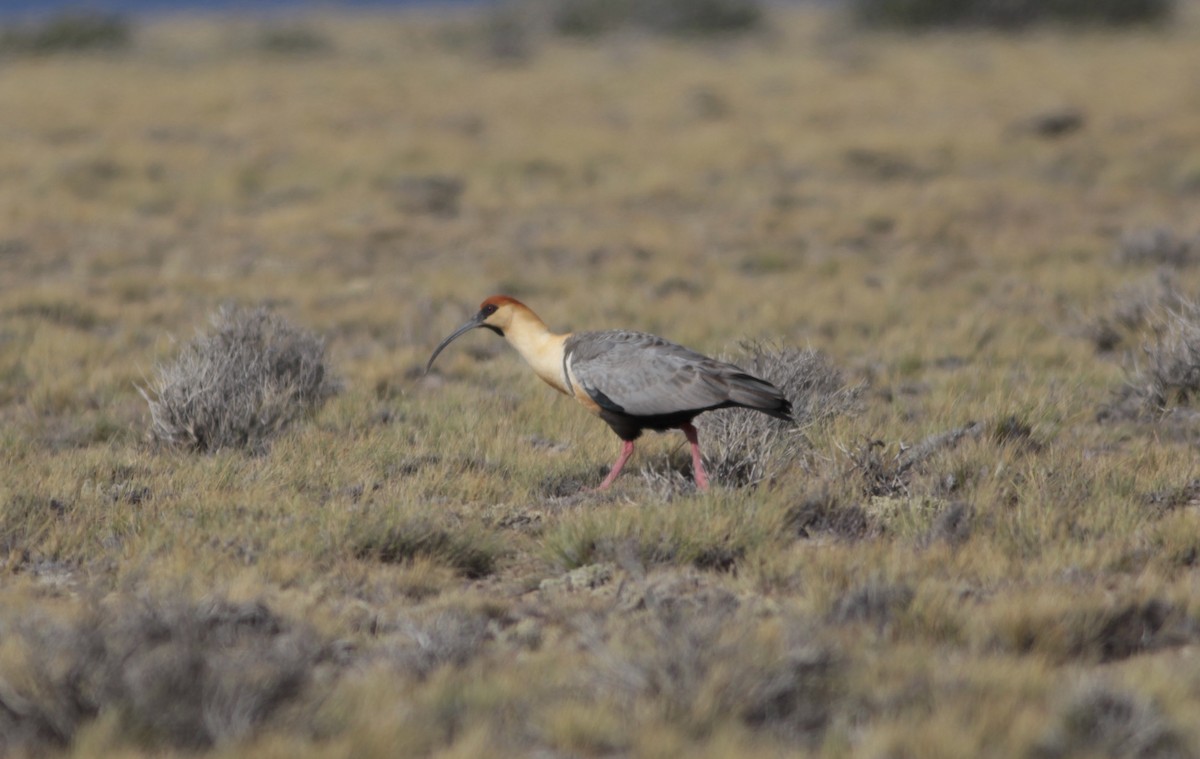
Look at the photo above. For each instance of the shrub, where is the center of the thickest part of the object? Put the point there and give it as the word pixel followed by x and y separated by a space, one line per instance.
pixel 1173 373
pixel 418 644
pixel 1135 310
pixel 695 654
pixel 1102 721
pixel 1157 245
pixel 745 447
pixel 1008 14
pixel 886 474
pixel 184 675
pixel 240 385
pixel 1170 374
pixel 68 32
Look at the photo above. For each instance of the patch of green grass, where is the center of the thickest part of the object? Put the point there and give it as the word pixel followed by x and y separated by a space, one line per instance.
pixel 709 533
pixel 470 551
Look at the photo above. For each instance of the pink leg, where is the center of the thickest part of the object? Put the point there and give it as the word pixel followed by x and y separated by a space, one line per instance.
pixel 697 464
pixel 626 452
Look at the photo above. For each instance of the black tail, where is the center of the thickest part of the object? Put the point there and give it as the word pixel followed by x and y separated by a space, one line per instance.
pixel 751 392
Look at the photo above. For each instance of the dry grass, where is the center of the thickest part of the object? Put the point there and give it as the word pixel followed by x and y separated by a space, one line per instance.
pixel 950 554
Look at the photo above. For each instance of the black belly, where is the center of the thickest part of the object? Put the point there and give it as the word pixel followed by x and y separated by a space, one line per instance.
pixel 630 427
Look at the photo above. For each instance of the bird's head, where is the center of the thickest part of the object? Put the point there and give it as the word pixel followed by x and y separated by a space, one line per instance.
pixel 496 313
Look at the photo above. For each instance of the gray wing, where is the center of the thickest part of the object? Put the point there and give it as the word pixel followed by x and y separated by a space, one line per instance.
pixel 643 375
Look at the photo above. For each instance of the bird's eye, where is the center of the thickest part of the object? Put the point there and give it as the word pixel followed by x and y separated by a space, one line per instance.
pixel 489 309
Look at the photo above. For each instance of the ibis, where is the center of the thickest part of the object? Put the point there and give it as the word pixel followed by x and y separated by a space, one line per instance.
pixel 632 380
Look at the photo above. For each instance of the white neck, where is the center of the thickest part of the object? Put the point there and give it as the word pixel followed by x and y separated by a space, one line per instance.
pixel 541 348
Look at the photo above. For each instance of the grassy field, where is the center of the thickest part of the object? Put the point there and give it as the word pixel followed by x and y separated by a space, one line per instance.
pixel 991 552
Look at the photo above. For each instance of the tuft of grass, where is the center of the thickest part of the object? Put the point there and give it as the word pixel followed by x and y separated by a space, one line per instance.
pixel 707 534
pixel 470 552
pixel 745 448
pixel 1091 630
pixel 822 513
pixel 240 385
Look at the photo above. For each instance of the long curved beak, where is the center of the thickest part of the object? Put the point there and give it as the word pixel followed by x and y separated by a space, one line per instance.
pixel 476 321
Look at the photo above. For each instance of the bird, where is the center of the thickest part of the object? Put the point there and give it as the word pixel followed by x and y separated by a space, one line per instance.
pixel 634 381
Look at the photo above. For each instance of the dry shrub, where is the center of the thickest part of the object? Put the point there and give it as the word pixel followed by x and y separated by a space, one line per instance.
pixel 1135 310
pixel 1102 721
pixel 240 385
pixel 1169 376
pixel 745 448
pixel 877 602
pixel 695 655
pixel 189 676
pixel 1172 374
pixel 889 474
pixel 1160 246
pixel 421 643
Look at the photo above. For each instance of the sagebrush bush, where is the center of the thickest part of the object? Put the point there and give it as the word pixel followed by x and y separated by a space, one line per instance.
pixel 1008 14
pixel 1135 310
pixel 418 644
pixel 1157 245
pixel 745 447
pixel 1099 720
pixel 1168 375
pixel 1172 373
pixel 240 385
pixel 694 653
pixel 177 674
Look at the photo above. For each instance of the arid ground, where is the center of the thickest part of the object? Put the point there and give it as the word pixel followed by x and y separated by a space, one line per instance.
pixel 982 540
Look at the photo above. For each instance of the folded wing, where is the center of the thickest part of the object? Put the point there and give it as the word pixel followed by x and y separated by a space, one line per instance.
pixel 643 375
